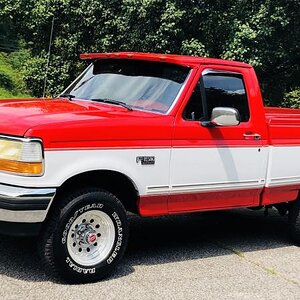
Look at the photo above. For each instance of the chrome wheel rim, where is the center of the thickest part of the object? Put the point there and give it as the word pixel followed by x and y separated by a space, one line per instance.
pixel 91 238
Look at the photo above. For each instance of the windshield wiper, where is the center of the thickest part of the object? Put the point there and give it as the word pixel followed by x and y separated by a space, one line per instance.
pixel 69 96
pixel 82 83
pixel 110 101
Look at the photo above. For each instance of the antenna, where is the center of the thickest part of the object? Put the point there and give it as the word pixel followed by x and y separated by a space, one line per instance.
pixel 48 59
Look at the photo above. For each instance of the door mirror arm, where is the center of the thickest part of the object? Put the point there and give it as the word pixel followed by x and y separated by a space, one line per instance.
pixel 208 124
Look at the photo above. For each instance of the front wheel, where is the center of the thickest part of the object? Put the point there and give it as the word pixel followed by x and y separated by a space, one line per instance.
pixel 85 237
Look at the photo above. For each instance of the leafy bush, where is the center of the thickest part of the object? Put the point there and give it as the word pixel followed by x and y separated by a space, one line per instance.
pixel 11 78
pixel 292 99
pixel 6 75
pixel 5 80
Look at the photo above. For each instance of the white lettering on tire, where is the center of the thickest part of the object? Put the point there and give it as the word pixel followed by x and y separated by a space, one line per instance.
pixel 79 269
pixel 119 239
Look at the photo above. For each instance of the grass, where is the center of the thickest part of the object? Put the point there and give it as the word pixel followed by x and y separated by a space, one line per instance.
pixel 11 81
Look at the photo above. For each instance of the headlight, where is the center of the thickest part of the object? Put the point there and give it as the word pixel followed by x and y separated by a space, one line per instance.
pixel 21 156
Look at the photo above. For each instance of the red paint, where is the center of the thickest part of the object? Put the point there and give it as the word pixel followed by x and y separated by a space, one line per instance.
pixel 87 125
pixel 205 201
pixel 280 194
pixel 191 132
pixel 153 205
pixel 169 58
pixel 283 126
pixel 198 201
pixel 214 200
pixel 84 124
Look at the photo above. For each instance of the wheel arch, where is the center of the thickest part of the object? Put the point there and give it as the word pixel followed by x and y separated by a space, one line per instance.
pixel 117 183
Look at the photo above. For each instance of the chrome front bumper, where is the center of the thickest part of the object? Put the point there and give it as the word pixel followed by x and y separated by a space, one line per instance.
pixel 24 205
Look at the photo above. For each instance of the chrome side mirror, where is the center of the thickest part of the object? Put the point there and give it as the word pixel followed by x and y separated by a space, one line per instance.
pixel 225 116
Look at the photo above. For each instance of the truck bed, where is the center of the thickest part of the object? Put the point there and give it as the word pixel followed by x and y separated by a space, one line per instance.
pixel 282 112
pixel 283 176
pixel 283 126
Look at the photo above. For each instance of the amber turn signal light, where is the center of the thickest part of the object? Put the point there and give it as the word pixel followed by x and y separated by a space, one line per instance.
pixel 21 167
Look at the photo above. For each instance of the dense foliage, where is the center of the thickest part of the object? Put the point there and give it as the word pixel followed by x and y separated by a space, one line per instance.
pixel 11 82
pixel 265 33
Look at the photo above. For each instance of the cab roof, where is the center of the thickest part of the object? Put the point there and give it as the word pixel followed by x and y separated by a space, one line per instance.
pixel 169 58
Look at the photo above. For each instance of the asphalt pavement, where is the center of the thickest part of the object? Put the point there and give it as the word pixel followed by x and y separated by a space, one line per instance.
pixel 237 254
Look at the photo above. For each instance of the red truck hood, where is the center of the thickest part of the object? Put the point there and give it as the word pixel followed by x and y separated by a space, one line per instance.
pixel 18 116
pixel 63 120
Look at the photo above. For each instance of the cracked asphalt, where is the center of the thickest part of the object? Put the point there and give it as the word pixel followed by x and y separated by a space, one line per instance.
pixel 237 254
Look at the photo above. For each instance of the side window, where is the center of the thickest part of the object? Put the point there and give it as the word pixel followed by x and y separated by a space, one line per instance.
pixel 226 90
pixel 221 90
pixel 193 110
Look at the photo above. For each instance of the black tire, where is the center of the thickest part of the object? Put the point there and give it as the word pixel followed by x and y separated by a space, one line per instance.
pixel 294 220
pixel 53 241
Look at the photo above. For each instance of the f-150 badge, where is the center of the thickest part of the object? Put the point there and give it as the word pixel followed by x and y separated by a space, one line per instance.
pixel 145 160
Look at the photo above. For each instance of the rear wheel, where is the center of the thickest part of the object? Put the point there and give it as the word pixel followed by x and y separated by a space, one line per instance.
pixel 294 220
pixel 85 237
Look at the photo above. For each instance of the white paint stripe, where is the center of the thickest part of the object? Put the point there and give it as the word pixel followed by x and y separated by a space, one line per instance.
pixel 284 166
pixel 176 170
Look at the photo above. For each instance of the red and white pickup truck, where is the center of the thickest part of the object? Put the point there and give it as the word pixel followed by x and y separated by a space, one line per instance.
pixel 150 134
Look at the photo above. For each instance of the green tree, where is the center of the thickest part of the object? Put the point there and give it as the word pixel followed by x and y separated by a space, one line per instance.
pixel 265 33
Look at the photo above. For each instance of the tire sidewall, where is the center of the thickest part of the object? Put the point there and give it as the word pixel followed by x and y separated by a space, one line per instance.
pixel 106 203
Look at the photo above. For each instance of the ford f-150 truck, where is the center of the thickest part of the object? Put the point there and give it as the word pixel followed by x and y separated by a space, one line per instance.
pixel 150 134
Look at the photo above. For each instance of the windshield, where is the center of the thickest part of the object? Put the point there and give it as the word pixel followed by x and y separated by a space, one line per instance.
pixel 145 85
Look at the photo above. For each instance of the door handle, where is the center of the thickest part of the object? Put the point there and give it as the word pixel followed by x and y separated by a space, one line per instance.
pixel 251 136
